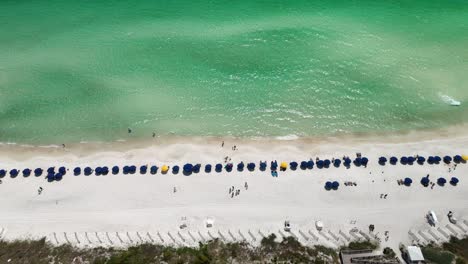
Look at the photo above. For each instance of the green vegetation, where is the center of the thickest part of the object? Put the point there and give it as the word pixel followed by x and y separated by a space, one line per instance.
pixel 458 247
pixel 389 253
pixel 269 251
pixel 437 255
pixel 362 245
pixel 454 251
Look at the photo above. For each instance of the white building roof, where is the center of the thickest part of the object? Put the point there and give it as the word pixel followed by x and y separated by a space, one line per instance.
pixel 415 254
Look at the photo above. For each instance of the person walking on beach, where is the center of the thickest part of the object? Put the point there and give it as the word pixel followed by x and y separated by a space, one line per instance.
pixel 222 144
pixel 246 186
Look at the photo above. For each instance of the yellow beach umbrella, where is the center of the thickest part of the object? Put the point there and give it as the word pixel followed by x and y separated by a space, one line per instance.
pixel 164 168
pixel 284 165
pixel 465 157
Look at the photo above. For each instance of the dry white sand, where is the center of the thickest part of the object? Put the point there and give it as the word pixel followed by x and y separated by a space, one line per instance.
pixel 119 206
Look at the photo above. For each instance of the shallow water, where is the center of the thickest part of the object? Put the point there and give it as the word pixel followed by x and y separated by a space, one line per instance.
pixel 88 70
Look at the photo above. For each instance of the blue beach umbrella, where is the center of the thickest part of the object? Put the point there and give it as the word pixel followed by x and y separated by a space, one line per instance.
pixel 404 160
pixel 425 181
pixel 196 168
pixel 115 170
pixel 274 165
pixel 319 164
pixel 337 163
pixel 328 185
pixel 251 166
pixel 2 173
pixel 143 169
pixel 175 169
pixel 240 166
pixel 62 170
pixel 228 167
pixel 58 176
pixel 382 160
pixel 126 169
pixel 437 159
pixel 98 171
pixel 335 185
pixel 263 166
pixel 218 167
pixel 77 171
pixel 421 160
pixel 293 165
pixel 326 163
pixel 407 181
pixel 457 159
pixel 105 170
pixel 207 168
pixel 454 181
pixel 88 171
pixel 303 165
pixel 188 168
pixel 132 169
pixel 51 170
pixel 430 160
pixel 26 172
pixel 154 169
pixel 357 162
pixel 50 177
pixel 411 160
pixel 38 172
pixel 364 161
pixel 447 159
pixel 310 164
pixel 14 173
pixel 393 160
pixel 441 181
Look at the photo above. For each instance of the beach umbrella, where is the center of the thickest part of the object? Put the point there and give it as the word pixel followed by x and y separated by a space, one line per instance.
pixel 132 169
pixel 77 171
pixel 240 166
pixel 188 168
pixel 284 165
pixel 175 169
pixel 328 185
pixel 441 181
pixel 382 160
pixel 228 167
pixel 407 181
pixel 357 162
pixel 326 163
pixel 88 171
pixel 251 166
pixel 421 160
pixel 437 159
pixel 454 181
pixel 115 170
pixel 303 165
pixel 153 169
pixel 14 173
pixel 425 181
pixel 263 166
pixel 310 164
pixel 218 167
pixel 58 176
pixel 2 173
pixel 464 157
pixel 26 172
pixel 98 171
pixel 411 160
pixel 207 168
pixel 196 168
pixel 430 160
pixel 364 161
pixel 447 159
pixel 143 169
pixel 51 170
pixel 62 170
pixel 404 160
pixel 319 164
pixel 126 169
pixel 164 169
pixel 50 177
pixel 38 172
pixel 105 170
pixel 393 160
pixel 347 160
pixel 335 185
pixel 293 165
pixel 457 159
pixel 337 162
pixel 274 165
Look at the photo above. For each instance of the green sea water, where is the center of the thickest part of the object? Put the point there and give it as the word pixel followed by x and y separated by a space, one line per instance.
pixel 87 70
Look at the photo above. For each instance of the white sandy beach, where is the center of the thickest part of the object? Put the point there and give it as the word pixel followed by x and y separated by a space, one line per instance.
pixel 118 210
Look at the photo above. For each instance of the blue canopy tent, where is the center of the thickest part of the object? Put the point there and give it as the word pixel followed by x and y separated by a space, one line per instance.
pixel 357 162
pixel 251 166
pixel 382 160
pixel 263 166
pixel 26 172
pixel 154 169
pixel 447 159
pixel 457 159
pixel 77 171
pixel 328 185
pixel 132 169
pixel 310 164
pixel 425 181
pixel 115 170
pixel 364 161
pixel 88 171
pixel 421 160
pixel 50 177
pixel 337 163
pixel 393 160
pixel 454 181
pixel 407 181
pixel 430 160
pixel 58 176
pixel 62 170
pixel 207 168
pixel 38 172
pixel 2 173
pixel 51 170
pixel 218 167
pixel 293 165
pixel 228 167
pixel 175 169
pixel 303 165
pixel 196 168
pixel 441 181
pixel 335 185
pixel 188 168
pixel 274 165
pixel 326 163
pixel 404 160
pixel 143 169
pixel 319 164
pixel 437 159
pixel 411 160
pixel 14 173
pixel 240 166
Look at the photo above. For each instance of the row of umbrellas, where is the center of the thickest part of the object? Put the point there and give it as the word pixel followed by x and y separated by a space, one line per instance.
pixel 410 160
pixel 425 181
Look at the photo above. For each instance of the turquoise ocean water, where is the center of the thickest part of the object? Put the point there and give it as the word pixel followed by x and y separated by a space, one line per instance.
pixel 88 70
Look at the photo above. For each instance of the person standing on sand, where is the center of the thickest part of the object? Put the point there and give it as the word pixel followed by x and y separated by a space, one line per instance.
pixel 222 144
